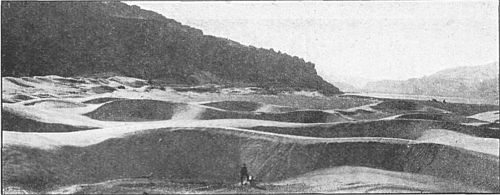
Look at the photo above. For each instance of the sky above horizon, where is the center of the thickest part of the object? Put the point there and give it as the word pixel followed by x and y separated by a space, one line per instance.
pixel 373 40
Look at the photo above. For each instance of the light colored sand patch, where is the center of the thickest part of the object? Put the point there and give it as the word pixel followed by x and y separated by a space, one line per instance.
pixel 69 189
pixel 367 107
pixel 68 116
pixel 187 112
pixel 29 139
pixel 348 179
pixel 237 90
pixel 15 190
pixel 267 108
pixel 451 138
pixel 491 116
pixel 307 93
pixel 391 117
pixel 53 103
pixel 474 124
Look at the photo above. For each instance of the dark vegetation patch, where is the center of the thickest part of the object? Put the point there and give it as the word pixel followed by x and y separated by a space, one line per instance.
pixel 14 122
pixel 235 105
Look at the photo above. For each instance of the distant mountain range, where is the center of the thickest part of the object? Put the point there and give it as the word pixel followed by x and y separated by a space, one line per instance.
pixel 103 38
pixel 471 82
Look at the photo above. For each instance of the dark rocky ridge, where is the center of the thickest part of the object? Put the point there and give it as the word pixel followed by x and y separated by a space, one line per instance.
pixel 88 38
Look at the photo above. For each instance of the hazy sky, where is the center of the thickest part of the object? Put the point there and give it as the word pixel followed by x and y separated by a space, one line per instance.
pixel 376 40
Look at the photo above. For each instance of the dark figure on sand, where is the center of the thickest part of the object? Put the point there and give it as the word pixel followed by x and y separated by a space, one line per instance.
pixel 243 173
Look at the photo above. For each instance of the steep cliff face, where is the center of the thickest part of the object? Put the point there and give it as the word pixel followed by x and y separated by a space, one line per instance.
pixel 82 38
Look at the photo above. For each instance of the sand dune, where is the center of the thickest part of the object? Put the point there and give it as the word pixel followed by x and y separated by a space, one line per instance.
pixel 459 140
pixel 249 106
pixel 135 110
pixel 405 106
pixel 12 121
pixel 151 110
pixel 101 100
pixel 490 116
pixel 350 179
pixel 398 128
pixel 54 103
pixel 20 98
pixel 314 143
pixel 16 81
pixel 235 105
pixel 214 154
pixel 440 117
pixel 269 108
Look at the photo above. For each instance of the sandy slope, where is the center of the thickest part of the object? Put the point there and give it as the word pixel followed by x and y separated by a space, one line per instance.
pixel 204 138
pixel 349 179
pixel 214 154
pixel 491 116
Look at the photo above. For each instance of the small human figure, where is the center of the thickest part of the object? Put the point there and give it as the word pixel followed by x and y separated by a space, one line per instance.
pixel 243 174
pixel 444 101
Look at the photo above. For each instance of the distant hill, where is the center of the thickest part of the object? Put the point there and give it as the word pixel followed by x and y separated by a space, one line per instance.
pixel 109 38
pixel 345 87
pixel 472 81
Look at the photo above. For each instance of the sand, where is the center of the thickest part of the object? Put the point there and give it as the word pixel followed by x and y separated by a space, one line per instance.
pixel 214 154
pixel 65 138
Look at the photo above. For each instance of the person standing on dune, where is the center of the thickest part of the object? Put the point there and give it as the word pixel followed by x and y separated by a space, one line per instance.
pixel 243 173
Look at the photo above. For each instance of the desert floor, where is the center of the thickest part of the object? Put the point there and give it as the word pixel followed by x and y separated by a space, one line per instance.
pixel 121 135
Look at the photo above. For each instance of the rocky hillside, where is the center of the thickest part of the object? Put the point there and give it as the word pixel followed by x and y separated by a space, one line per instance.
pixel 472 82
pixel 89 38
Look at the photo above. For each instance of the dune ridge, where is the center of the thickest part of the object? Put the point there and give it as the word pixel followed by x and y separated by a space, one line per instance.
pixel 214 154
pixel 151 110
